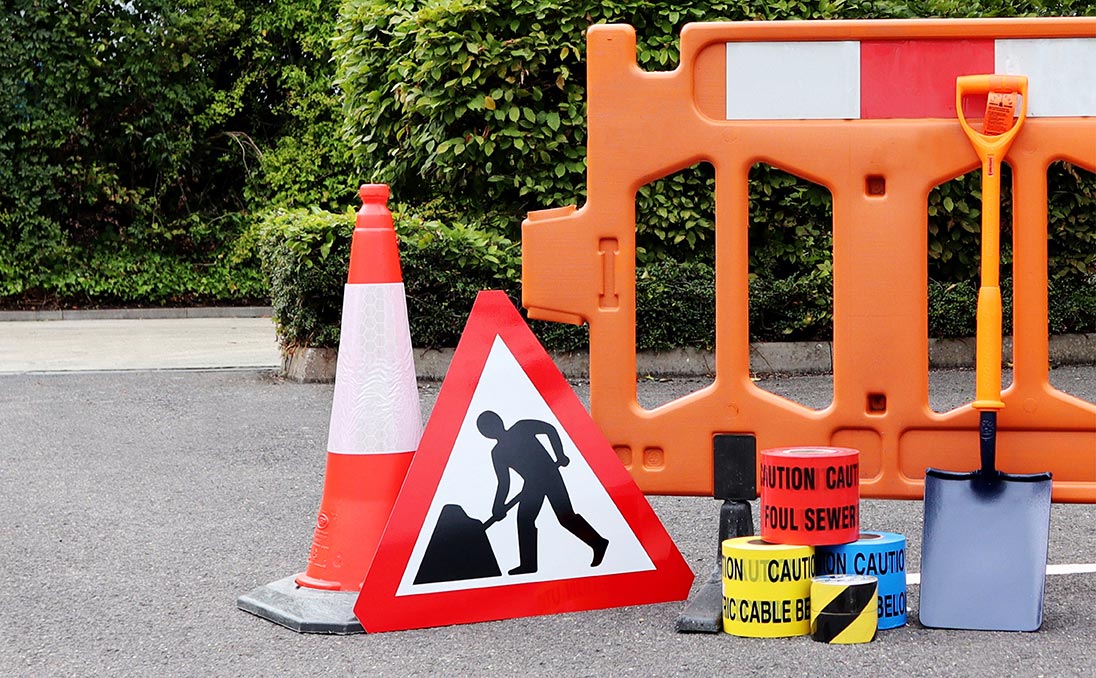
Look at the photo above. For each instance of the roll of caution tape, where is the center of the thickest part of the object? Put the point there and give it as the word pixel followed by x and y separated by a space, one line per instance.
pixel 878 554
pixel 810 495
pixel 766 588
pixel 843 608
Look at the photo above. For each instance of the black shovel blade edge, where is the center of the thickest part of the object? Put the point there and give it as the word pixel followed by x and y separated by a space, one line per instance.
pixel 1045 476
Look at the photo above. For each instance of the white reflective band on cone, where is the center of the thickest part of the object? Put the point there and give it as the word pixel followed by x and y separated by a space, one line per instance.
pixel 375 409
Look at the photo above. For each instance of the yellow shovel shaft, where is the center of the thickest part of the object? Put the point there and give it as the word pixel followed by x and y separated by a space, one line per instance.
pixel 988 381
pixel 991 150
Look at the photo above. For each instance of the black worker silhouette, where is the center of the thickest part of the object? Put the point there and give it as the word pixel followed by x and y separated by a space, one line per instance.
pixel 517 448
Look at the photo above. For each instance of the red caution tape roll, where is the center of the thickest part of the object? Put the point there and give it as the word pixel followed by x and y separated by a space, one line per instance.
pixel 810 495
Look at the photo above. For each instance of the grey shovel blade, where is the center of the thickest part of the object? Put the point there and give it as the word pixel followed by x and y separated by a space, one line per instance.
pixel 984 553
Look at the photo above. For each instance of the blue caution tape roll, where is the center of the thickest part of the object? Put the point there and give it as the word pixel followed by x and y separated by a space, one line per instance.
pixel 878 554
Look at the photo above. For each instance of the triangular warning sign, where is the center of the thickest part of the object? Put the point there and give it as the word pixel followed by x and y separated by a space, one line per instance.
pixel 514 504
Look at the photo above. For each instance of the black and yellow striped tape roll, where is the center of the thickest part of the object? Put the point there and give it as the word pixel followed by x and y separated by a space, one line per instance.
pixel 766 588
pixel 843 608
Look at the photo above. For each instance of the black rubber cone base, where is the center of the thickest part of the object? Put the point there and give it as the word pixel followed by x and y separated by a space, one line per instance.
pixel 303 610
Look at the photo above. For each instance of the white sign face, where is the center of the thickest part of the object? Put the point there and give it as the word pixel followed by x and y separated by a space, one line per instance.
pixel 564 548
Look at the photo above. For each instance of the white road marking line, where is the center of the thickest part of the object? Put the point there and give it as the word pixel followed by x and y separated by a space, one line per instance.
pixel 914 578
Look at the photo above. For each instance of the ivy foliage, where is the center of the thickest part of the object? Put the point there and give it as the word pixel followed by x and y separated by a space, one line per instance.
pixel 135 135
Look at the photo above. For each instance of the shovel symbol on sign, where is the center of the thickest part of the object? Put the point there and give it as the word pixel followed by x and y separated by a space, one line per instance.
pixel 459 548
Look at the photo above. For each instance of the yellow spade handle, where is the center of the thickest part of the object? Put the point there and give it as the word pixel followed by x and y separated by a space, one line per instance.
pixel 991 149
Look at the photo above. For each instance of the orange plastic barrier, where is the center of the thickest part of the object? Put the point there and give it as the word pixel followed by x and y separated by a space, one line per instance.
pixel 867 109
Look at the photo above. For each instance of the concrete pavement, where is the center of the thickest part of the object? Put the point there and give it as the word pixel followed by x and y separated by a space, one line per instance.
pixel 131 344
pixel 146 339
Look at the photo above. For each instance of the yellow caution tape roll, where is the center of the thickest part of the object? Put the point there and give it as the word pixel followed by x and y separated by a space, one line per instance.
pixel 766 588
pixel 843 608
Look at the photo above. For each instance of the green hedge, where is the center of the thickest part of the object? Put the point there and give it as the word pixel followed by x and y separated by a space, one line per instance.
pixel 133 176
pixel 305 253
pixel 479 105
pixel 135 137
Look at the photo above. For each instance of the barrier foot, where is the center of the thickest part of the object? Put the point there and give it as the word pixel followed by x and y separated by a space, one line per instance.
pixel 704 611
pixel 302 609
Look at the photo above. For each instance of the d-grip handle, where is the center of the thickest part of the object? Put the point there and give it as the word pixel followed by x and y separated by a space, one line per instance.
pixel 991 144
pixel 984 84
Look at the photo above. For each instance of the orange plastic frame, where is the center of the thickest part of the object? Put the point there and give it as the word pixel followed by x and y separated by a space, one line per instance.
pixel 579 266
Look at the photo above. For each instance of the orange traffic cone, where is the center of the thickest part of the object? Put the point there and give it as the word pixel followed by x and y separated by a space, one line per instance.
pixel 375 429
pixel 375 419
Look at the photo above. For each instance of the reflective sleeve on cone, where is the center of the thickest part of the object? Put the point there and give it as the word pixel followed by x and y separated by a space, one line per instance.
pixel 810 495
pixel 375 409
pixel 766 588
pixel 843 609
pixel 877 554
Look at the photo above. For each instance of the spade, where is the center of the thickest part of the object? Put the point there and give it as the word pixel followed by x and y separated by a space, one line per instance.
pixel 984 552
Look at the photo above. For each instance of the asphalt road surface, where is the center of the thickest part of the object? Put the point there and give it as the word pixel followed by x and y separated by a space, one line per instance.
pixel 137 506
